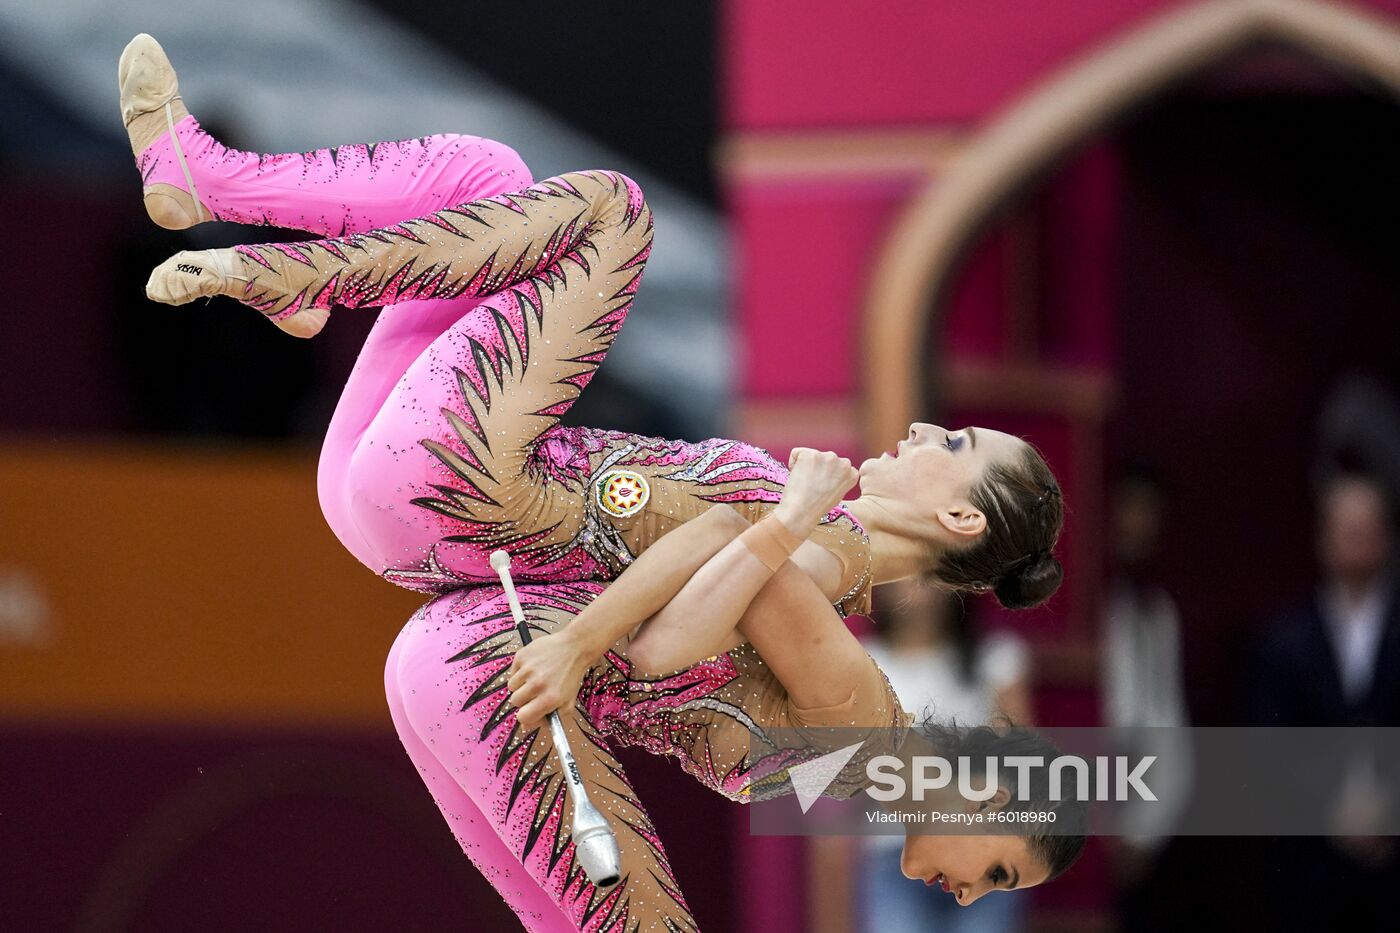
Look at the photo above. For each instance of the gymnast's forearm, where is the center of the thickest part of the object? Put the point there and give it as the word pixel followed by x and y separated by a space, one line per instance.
pixel 657 575
pixel 701 619
pixel 807 646
pixel 545 675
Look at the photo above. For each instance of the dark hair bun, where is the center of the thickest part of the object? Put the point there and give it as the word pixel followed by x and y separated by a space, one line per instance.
pixel 1030 584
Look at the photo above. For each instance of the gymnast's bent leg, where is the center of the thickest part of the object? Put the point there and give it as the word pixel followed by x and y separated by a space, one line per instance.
pixel 453 465
pixel 449 683
pixel 472 830
pixel 355 188
pixel 334 191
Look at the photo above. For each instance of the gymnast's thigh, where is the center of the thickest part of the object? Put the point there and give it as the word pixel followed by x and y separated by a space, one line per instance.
pixel 431 488
pixel 471 828
pixel 453 656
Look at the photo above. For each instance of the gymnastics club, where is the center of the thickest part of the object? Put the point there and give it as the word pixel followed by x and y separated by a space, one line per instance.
pixel 593 837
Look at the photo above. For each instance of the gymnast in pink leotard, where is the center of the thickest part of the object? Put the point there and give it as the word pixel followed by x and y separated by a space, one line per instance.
pixel 499 299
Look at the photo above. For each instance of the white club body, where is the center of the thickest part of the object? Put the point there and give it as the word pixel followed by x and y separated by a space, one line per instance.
pixel 594 841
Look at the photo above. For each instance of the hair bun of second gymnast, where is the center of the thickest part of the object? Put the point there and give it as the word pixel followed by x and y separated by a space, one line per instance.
pixel 1030 584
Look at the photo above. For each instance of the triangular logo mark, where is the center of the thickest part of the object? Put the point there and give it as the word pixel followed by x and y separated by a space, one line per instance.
pixel 811 778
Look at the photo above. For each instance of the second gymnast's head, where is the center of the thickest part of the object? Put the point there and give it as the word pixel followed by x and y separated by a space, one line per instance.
pixel 984 503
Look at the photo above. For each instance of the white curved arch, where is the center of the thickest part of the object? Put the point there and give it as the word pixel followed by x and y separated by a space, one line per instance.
pixel 917 260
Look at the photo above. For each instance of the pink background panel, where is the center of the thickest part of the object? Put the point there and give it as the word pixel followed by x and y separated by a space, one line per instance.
pixel 806 247
pixel 828 62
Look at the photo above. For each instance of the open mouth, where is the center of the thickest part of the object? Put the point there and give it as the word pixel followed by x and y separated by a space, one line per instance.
pixel 941 880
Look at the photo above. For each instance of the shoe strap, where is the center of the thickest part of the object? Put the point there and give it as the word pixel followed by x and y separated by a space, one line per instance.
pixel 129 113
pixel 184 166
pixel 224 269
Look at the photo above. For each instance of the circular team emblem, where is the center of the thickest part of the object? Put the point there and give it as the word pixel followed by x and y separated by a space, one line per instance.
pixel 622 492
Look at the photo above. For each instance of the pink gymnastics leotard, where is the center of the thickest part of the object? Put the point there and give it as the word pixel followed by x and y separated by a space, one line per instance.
pixel 525 287
pixel 500 299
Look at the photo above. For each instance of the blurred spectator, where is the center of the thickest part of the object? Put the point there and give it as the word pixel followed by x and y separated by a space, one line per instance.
pixel 940 666
pixel 1142 684
pixel 1359 430
pixel 1334 660
pixel 1142 630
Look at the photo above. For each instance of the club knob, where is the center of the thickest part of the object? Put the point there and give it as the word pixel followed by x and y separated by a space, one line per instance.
pixel 598 854
pixel 596 846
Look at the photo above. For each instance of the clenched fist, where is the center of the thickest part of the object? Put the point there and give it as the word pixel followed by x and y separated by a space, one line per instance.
pixel 816 482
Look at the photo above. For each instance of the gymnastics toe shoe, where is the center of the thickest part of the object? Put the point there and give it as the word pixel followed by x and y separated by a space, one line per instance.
pixel 202 274
pixel 147 83
pixel 151 107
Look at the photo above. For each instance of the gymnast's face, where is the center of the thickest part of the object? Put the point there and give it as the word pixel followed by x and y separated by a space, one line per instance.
pixel 967 867
pixel 929 476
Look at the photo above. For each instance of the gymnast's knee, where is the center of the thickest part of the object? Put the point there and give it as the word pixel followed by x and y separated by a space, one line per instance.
pixel 504 161
pixel 615 199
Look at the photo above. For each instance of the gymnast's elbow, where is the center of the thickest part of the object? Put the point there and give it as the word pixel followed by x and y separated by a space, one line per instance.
pixel 659 648
pixel 725 520
pixel 650 655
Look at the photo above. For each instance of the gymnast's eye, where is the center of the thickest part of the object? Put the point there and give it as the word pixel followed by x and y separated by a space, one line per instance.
pixel 998 876
pixel 953 443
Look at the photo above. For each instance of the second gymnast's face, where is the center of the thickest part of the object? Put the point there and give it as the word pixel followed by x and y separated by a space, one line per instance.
pixel 968 867
pixel 931 473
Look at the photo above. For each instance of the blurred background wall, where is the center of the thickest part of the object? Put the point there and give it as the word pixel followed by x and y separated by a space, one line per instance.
pixel 192 729
pixel 1175 246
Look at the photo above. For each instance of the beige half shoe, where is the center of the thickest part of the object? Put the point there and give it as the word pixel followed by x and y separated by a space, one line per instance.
pixel 206 273
pixel 151 106
pixel 196 274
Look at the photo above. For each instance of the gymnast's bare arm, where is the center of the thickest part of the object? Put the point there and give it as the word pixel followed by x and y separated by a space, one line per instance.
pixel 806 644
pixel 702 618
pixel 688 591
pixel 546 674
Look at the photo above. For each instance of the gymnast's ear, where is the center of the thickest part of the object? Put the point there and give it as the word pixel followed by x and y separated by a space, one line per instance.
pixel 962 520
pixel 998 801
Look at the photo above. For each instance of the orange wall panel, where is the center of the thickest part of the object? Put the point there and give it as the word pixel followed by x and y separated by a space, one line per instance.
pixel 184 584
